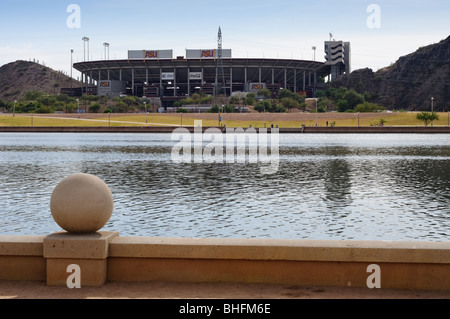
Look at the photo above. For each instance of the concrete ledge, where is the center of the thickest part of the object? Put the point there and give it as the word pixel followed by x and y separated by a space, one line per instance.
pixel 105 256
pixel 21 258
pixel 85 246
pixel 279 249
pixel 376 130
pixel 21 245
pixel 406 265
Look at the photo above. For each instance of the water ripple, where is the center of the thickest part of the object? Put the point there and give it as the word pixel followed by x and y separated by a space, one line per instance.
pixel 365 187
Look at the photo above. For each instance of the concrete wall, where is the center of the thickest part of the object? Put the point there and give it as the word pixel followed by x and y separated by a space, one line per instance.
pixel 22 258
pixel 169 129
pixel 105 256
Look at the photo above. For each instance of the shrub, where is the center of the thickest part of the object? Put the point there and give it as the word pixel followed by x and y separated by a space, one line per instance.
pixel 367 107
pixel 250 99
pixel 214 109
pixel 229 109
pixel 182 110
pixel 321 109
pixel 263 106
pixel 28 107
pixel 44 109
pixel 290 103
pixel 342 105
pixel 94 108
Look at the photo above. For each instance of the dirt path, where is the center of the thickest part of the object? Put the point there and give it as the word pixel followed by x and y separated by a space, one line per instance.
pixel 165 290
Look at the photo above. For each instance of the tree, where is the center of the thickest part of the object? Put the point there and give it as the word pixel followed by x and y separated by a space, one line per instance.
pixel 195 97
pixel 321 94
pixel 130 102
pixel 321 109
pixel 63 98
pixel 32 95
pixel 263 106
pixel 289 103
pixel 250 99
pixel 94 108
pixel 206 99
pixel 47 100
pixel 234 100
pixel 229 108
pixel 427 117
pixel 44 109
pixel 342 105
pixel 28 107
pixel 265 93
pixel 4 104
pixel 286 93
pixel 325 103
pixel 214 109
pixel 336 94
pixel 369 96
pixel 70 107
pixel 353 99
pixel 237 98
pixel 119 107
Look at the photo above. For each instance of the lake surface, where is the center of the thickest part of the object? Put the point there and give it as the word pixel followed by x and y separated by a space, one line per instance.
pixel 349 186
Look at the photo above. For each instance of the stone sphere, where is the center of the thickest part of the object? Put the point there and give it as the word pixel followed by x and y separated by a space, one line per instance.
pixel 81 203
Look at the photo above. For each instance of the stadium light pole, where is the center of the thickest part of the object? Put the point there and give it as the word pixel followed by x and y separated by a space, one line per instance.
pixel 71 69
pixel 14 108
pixel 85 39
pixel 314 86
pixel 106 45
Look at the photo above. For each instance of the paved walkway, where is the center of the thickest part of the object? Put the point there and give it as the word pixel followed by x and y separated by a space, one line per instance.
pixel 165 290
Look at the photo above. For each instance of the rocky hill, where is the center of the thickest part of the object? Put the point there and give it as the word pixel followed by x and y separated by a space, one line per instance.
pixel 410 82
pixel 19 77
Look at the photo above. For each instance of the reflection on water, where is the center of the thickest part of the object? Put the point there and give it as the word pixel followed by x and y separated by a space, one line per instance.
pixel 363 187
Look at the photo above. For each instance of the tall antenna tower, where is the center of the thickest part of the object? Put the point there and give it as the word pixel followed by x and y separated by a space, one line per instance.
pixel 219 71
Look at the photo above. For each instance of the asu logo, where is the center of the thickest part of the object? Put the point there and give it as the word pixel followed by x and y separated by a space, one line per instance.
pixel 104 84
pixel 208 54
pixel 151 54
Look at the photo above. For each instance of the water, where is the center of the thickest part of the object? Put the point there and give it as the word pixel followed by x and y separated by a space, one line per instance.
pixel 353 187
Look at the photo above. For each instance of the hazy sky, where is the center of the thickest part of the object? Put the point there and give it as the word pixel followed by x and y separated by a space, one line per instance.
pixel 287 29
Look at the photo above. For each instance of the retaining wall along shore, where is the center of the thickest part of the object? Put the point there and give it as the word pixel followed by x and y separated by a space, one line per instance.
pixel 105 256
pixel 170 129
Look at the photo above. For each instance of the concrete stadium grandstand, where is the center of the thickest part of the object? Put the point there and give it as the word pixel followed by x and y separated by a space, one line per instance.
pixel 158 74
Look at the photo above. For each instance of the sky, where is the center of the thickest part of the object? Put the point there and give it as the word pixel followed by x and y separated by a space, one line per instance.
pixel 380 31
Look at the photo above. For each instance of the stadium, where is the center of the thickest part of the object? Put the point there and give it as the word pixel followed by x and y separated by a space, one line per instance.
pixel 157 74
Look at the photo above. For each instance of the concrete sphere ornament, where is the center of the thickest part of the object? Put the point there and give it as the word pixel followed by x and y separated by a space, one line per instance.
pixel 81 203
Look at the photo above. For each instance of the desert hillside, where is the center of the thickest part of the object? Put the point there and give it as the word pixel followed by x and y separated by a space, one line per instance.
pixel 17 78
pixel 410 82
